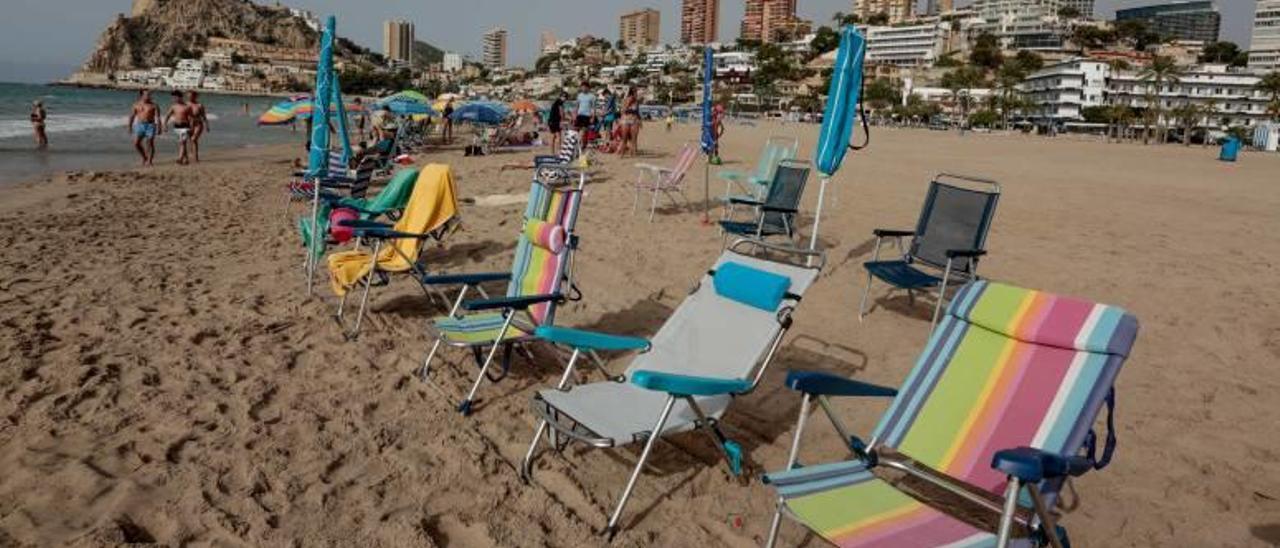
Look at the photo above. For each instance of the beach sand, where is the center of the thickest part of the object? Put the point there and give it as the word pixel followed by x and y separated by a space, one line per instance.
pixel 165 379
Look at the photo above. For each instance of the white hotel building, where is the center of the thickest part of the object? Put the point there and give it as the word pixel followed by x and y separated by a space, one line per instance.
pixel 1264 50
pixel 1235 100
pixel 1061 91
pixel 907 46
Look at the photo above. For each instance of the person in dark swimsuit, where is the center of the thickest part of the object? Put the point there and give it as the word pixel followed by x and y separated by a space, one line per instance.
pixel 199 123
pixel 555 119
pixel 38 117
pixel 447 130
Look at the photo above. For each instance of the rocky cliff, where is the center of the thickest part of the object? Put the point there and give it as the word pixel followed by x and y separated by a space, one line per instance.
pixel 160 31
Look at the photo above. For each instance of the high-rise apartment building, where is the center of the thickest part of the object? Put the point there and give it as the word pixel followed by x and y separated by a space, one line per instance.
pixel 639 28
pixel 397 40
pixel 1022 24
pixel 1264 49
pixel 1185 20
pixel 495 48
pixel 772 21
pixel 897 10
pixel 698 20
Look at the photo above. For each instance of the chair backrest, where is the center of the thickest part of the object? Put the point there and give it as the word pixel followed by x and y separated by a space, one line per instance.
pixel 785 191
pixel 725 327
pixel 954 217
pixel 568 147
pixel 364 175
pixel 684 162
pixel 1007 367
pixel 432 205
pixel 776 150
pixel 397 192
pixel 544 251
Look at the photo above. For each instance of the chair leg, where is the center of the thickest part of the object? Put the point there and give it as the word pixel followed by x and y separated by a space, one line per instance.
pixel 426 364
pixel 942 295
pixel 862 308
pixel 465 406
pixel 612 528
pixel 653 203
pixel 526 467
pixel 1010 507
pixel 791 462
pixel 368 284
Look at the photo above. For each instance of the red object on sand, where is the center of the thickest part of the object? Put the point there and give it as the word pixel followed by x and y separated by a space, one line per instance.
pixel 339 232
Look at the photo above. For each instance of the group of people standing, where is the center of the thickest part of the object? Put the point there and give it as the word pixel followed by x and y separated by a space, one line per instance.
pixel 599 112
pixel 186 117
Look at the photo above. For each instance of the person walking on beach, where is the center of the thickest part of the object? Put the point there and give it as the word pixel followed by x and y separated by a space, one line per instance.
pixel 199 123
pixel 631 123
pixel 447 132
pixel 143 126
pixel 38 117
pixel 180 116
pixel 554 120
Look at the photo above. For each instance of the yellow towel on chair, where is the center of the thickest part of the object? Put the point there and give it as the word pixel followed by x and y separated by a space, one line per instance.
pixel 433 203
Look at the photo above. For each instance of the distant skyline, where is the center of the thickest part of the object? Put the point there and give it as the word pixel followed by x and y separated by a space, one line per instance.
pixel 44 40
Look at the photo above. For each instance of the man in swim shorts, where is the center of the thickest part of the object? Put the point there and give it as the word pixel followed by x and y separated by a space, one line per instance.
pixel 180 116
pixel 199 123
pixel 142 125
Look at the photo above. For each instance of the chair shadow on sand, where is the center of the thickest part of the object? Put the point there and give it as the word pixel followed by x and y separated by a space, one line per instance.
pixel 1267 532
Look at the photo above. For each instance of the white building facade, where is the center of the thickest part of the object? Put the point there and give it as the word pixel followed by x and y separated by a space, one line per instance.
pixel 1235 100
pixel 452 62
pixel 1061 91
pixel 1264 50
pixel 907 46
pixel 1022 24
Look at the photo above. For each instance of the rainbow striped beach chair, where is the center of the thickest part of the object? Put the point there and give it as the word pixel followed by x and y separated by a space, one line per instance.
pixel 996 415
pixel 541 272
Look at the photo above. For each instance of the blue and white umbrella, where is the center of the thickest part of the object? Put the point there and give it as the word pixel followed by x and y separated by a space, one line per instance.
pixel 485 112
pixel 708 129
pixel 840 117
pixel 403 106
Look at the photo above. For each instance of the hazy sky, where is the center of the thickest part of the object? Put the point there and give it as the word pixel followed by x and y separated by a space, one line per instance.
pixel 41 40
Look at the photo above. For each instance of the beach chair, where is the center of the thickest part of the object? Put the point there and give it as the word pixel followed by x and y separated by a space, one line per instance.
pixel 775 215
pixel 949 238
pixel 755 185
pixel 388 202
pixel 341 179
pixel 566 165
pixel 715 346
pixel 540 279
pixel 666 181
pixel 997 413
pixel 430 214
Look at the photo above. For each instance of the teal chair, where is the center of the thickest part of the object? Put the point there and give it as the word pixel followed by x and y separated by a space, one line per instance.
pixel 755 185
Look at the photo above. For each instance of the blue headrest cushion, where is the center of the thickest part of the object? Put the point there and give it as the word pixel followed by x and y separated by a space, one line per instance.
pixel 750 286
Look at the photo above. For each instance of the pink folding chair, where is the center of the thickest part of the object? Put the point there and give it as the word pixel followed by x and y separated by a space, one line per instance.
pixel 661 180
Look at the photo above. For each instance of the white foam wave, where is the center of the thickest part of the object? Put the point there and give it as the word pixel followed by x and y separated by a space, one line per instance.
pixel 62 123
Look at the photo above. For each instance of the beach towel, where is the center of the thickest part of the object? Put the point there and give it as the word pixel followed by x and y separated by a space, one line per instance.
pixel 433 203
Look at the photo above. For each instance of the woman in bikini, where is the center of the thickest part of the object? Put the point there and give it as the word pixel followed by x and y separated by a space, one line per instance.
pixel 38 117
pixel 631 123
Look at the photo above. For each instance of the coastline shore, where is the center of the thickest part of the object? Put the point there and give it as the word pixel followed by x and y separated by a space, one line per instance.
pixel 167 380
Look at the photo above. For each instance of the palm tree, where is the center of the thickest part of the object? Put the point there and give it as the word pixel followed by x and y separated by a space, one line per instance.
pixel 1162 71
pixel 959 82
pixel 1007 80
pixel 1270 84
pixel 1209 108
pixel 1119 116
pixel 1188 117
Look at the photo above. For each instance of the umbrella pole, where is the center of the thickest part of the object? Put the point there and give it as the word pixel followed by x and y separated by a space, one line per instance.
pixel 311 243
pixel 706 189
pixel 817 218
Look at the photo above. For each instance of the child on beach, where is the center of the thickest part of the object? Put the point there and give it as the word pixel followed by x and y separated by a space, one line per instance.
pixel 142 125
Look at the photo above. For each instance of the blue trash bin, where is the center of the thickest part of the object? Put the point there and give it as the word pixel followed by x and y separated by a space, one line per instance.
pixel 1230 149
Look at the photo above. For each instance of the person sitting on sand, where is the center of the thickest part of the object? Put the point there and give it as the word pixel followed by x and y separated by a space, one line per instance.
pixel 38 117
pixel 180 116
pixel 199 123
pixel 143 126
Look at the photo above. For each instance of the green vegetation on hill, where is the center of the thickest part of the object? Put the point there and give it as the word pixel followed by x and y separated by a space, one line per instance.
pixel 425 54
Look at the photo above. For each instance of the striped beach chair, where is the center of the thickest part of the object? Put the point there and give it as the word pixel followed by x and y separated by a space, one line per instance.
pixel 997 413
pixel 539 280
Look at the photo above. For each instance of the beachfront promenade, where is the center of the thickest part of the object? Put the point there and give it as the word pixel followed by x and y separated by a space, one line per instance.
pixel 167 379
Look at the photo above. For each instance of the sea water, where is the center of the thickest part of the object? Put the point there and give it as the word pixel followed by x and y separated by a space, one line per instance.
pixel 87 129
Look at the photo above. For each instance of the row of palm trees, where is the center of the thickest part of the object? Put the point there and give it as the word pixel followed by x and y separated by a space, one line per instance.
pixel 1164 71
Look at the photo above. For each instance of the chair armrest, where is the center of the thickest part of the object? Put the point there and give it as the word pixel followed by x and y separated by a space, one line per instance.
pixel 688 385
pixel 466 279
pixel 346 203
pixel 361 224
pixel 387 233
pixel 731 175
pixel 1032 465
pixel 818 383
pixel 777 209
pixel 513 303
pixel 652 167
pixel 743 200
pixel 887 233
pixel 965 253
pixel 590 340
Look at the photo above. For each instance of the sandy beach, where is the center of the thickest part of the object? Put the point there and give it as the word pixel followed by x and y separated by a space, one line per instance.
pixel 165 379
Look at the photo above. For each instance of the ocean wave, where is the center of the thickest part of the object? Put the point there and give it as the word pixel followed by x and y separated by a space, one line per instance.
pixel 62 123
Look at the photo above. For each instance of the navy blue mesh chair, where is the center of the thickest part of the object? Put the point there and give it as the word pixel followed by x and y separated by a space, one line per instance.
pixel 948 240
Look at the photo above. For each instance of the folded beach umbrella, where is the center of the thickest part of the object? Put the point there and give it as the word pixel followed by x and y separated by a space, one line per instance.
pixel 708 130
pixel 840 116
pixel 486 112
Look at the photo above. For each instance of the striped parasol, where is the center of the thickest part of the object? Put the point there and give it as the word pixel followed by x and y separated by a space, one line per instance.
pixel 297 107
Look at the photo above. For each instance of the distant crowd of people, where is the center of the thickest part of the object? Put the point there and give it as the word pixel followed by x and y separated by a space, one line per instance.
pixel 598 116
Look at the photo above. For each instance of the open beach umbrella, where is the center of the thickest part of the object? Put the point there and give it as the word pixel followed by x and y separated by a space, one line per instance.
pixel 486 112
pixel 403 106
pixel 298 107
pixel 708 130
pixel 839 119
pixel 412 96
pixel 525 105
